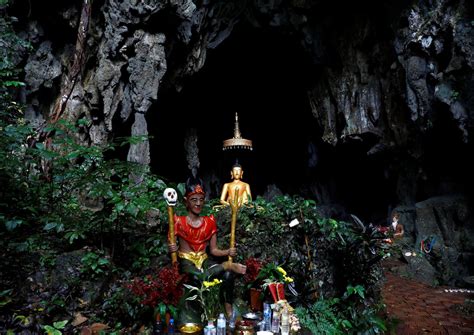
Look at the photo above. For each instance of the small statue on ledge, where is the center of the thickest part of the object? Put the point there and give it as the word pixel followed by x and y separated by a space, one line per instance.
pixel 397 228
pixel 236 187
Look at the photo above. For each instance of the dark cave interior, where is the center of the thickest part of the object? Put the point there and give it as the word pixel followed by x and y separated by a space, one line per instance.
pixel 264 75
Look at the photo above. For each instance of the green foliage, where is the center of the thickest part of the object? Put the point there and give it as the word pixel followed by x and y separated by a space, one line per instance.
pixel 271 273
pixel 95 264
pixel 359 253
pixel 358 290
pixel 82 193
pixel 54 305
pixel 120 304
pixel 321 317
pixel 348 314
pixel 263 228
pixel 56 328
pixel 142 252
pixel 360 317
pixel 208 297
pixel 311 252
pixel 66 195
pixel 5 297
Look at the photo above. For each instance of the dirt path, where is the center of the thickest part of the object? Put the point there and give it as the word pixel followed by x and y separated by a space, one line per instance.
pixel 422 309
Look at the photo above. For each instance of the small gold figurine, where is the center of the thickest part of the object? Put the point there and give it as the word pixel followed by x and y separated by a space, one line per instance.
pixel 236 188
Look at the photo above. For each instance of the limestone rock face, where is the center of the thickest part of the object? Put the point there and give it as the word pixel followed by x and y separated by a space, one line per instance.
pixel 447 221
pixel 130 44
pixel 42 67
pixel 431 49
pixel 419 64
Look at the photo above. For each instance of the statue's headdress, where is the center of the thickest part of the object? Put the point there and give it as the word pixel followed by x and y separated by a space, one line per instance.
pixel 236 164
pixel 194 186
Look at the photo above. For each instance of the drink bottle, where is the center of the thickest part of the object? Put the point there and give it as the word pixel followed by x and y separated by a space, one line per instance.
pixel 221 324
pixel 275 322
pixel 158 325
pixel 267 317
pixel 171 326
pixel 232 320
pixel 210 329
pixel 285 322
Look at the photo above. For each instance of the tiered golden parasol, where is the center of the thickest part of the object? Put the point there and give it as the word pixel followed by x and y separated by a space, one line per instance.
pixel 237 142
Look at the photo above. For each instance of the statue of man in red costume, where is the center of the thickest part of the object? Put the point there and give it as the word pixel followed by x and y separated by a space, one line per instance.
pixel 197 234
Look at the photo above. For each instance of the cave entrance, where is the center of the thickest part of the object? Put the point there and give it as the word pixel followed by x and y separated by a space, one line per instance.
pixel 264 77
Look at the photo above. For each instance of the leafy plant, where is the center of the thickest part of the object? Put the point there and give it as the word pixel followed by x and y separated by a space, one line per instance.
pixel 5 297
pixel 360 253
pixel 208 296
pixel 360 317
pixel 56 328
pixel 321 317
pixel 95 264
pixel 348 314
pixel 272 273
pixel 121 304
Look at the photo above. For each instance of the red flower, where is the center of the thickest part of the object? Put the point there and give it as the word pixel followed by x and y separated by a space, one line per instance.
pixel 253 268
pixel 166 287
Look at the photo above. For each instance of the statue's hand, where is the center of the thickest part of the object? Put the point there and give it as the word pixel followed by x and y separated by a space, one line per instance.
pixel 232 252
pixel 172 247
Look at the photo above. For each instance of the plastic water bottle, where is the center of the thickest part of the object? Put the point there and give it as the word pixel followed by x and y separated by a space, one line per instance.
pixel 158 326
pixel 171 326
pixel 210 329
pixel 285 322
pixel 232 320
pixel 267 317
pixel 275 322
pixel 221 324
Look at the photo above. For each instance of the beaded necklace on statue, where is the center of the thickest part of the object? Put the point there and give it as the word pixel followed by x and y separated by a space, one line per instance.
pixel 194 223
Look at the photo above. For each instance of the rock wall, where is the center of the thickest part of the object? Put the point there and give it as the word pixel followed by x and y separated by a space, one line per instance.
pixel 448 222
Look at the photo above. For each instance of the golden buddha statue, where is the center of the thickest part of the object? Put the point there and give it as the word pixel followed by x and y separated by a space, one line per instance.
pixel 236 188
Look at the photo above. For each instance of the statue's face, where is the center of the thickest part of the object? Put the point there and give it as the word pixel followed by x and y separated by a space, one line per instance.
pixel 194 203
pixel 237 173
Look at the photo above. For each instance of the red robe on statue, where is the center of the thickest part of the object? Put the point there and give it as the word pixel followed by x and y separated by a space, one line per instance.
pixel 197 238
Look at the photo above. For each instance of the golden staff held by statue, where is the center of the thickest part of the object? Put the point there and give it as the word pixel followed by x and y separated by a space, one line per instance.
pixel 235 204
pixel 171 198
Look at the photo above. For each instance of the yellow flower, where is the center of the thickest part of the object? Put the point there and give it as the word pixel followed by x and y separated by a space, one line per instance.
pixel 279 268
pixel 212 283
